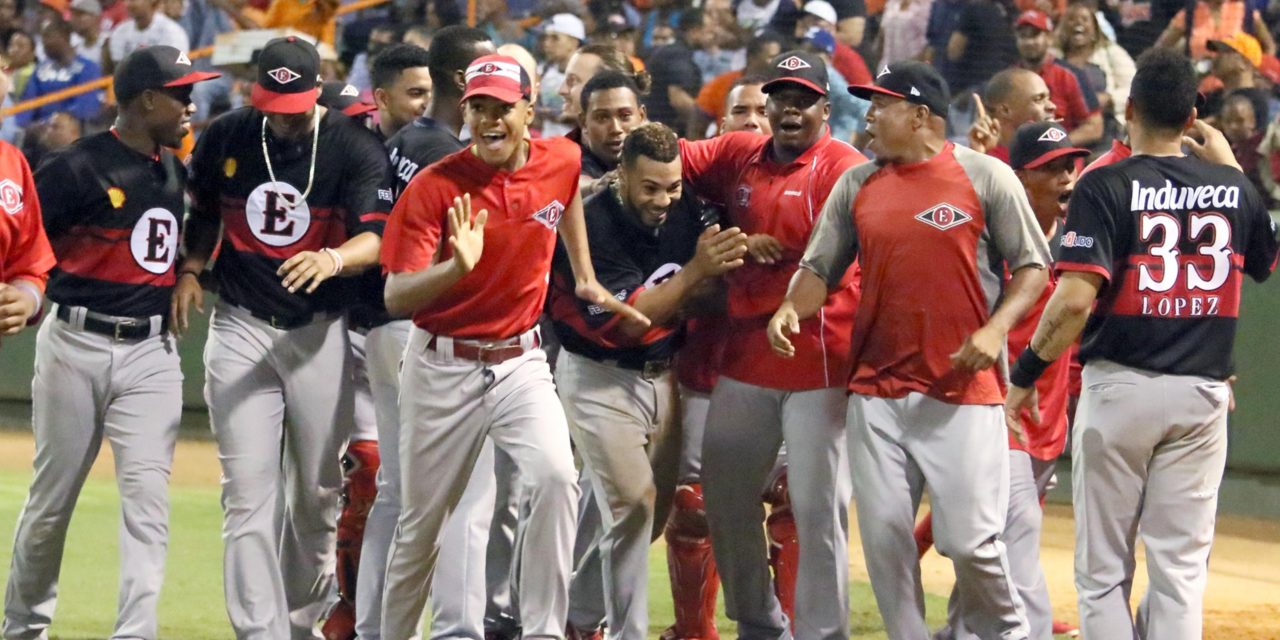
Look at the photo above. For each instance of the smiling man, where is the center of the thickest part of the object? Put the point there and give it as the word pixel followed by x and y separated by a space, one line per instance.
pixel 610 109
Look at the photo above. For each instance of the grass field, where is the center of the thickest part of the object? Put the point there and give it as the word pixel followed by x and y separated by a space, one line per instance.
pixel 191 606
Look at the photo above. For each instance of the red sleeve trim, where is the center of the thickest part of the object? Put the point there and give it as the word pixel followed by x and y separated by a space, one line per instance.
pixel 607 330
pixel 1083 267
pixel 376 216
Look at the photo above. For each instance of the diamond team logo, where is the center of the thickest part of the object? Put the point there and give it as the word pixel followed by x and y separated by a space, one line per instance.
pixel 283 75
pixel 793 63
pixel 549 216
pixel 10 197
pixel 350 91
pixel 943 216
pixel 1052 134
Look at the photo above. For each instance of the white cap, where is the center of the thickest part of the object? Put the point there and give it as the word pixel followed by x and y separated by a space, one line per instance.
pixel 571 25
pixel 822 9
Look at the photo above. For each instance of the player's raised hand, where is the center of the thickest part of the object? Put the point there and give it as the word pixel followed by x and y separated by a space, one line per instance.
pixel 595 293
pixel 16 307
pixel 1215 148
pixel 784 324
pixel 187 293
pixel 718 251
pixel 466 233
pixel 984 134
pixel 764 248
pixel 1018 400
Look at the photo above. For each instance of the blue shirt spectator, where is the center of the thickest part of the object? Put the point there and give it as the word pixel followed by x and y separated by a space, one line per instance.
pixel 61 68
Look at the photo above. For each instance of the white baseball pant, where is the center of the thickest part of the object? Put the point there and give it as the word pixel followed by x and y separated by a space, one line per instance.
pixel 88 386
pixel 1148 451
pixel 897 446
pixel 276 399
pixel 448 407
pixel 746 426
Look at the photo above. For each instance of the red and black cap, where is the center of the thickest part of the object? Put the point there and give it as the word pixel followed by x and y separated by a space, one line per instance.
pixel 1036 19
pixel 155 67
pixel 1039 143
pixel 288 72
pixel 797 68
pixel 915 82
pixel 499 77
pixel 343 97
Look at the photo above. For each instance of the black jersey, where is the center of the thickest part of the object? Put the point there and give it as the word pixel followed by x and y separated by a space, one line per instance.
pixel 266 222
pixel 628 258
pixel 1173 237
pixel 113 216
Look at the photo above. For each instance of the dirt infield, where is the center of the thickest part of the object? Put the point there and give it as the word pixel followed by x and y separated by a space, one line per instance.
pixel 1243 602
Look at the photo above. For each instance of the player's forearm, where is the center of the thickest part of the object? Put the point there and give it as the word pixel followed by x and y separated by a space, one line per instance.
pixel 405 293
pixel 359 253
pixel 1065 315
pixel 199 237
pixel 806 293
pixel 661 304
pixel 1020 294
pixel 573 230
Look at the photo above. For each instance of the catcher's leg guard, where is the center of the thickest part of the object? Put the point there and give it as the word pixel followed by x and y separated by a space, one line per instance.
pixel 784 544
pixel 359 469
pixel 694 579
pixel 924 534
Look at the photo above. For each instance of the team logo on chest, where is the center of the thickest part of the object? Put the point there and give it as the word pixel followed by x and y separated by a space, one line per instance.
pixel 549 216
pixel 10 196
pixel 943 216
pixel 277 214
pixel 662 274
pixel 154 241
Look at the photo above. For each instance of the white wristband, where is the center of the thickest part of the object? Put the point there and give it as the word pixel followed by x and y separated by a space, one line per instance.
pixel 337 260
pixel 31 290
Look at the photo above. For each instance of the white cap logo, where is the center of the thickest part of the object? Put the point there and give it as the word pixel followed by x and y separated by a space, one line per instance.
pixel 351 91
pixel 793 63
pixel 1052 134
pixel 884 71
pixel 183 59
pixel 283 75
pixel 915 91
pixel 505 69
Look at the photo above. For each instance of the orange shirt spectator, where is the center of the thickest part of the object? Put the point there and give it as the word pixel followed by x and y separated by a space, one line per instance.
pixel 1215 20
pixel 316 18
pixel 713 94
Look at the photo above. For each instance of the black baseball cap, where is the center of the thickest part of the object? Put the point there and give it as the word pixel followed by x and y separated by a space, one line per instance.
pixel 1039 143
pixel 798 68
pixel 155 67
pixel 915 82
pixel 288 72
pixel 343 97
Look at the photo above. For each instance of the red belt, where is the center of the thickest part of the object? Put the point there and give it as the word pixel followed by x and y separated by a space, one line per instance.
pixel 485 353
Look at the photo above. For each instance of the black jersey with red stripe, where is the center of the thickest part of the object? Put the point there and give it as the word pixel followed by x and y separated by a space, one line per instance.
pixel 628 258
pixel 266 222
pixel 113 216
pixel 1173 237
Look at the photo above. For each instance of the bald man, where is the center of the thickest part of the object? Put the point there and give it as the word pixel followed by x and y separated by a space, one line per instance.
pixel 1012 98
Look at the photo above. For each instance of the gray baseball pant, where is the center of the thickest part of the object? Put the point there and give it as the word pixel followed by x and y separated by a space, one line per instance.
pixel 88 386
pixel 1149 451
pixel 587 611
pixel 897 446
pixel 746 426
pixel 276 399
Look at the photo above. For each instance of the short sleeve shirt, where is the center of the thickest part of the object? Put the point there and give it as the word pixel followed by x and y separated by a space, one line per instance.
pixel 24 249
pixel 1066 94
pixel 670 66
pixel 127 37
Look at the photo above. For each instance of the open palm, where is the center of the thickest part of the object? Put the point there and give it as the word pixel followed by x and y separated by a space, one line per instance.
pixel 466 234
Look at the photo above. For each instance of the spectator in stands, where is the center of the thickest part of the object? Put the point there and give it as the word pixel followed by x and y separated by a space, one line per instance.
pixel 10 20
pixel 61 68
pixel 981 45
pixel 401 86
pixel 676 79
pixel 174 9
pixel 1139 23
pixel 1216 20
pixel 316 18
pixel 585 63
pixel 902 30
pixel 760 50
pixel 1108 66
pixel 145 27
pixel 1013 97
pixel 725 49
pixel 820 14
pixel 744 108
pixel 1236 62
pixel 1082 121
pixel 54 134
pixel 561 35
pixel 493 18
pixel 86 29
pixel 847 19
pixel 944 19
pixel 755 15
pixel 1239 124
pixel 22 62
pixel 848 113
pixel 662 18
pixel 380 37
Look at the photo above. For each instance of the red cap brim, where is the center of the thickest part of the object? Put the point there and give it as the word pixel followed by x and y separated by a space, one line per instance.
pixel 1046 158
pixel 509 96
pixel 272 102
pixel 193 77
pixel 865 91
pixel 807 84
pixel 359 109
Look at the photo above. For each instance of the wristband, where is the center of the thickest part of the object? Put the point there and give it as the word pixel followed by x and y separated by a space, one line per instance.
pixel 337 260
pixel 1027 369
pixel 32 290
pixel 189 272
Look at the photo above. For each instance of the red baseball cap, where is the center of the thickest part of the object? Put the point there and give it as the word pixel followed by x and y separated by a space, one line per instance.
pixel 1034 18
pixel 288 74
pixel 499 77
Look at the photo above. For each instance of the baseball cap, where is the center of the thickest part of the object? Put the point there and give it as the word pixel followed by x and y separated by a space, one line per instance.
pixel 566 23
pixel 497 76
pixel 1034 18
pixel 821 9
pixel 339 95
pixel 1038 143
pixel 156 67
pixel 821 38
pixel 91 7
pixel 798 68
pixel 617 23
pixel 915 82
pixel 1241 43
pixel 288 69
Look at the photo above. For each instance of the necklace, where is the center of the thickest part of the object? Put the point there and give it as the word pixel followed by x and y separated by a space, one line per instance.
pixel 315 145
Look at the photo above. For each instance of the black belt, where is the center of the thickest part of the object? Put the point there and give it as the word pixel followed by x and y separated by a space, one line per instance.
pixel 649 368
pixel 117 328
pixel 286 323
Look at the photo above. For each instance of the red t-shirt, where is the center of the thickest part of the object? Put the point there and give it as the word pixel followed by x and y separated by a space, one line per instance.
pixel 698 363
pixel 1119 151
pixel 1046 439
pixel 24 250
pixel 851 65
pixel 1065 92
pixel 759 195
pixel 502 297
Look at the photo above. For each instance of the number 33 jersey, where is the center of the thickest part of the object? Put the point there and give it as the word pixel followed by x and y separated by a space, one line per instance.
pixel 1172 238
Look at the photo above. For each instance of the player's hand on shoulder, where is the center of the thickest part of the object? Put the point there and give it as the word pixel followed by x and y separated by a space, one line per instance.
pixel 979 350
pixel 16 308
pixel 784 324
pixel 1018 400
pixel 466 233
pixel 764 248
pixel 187 293
pixel 1207 143
pixel 719 251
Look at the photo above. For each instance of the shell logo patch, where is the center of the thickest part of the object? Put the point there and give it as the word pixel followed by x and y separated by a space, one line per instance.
pixel 229 168
pixel 116 195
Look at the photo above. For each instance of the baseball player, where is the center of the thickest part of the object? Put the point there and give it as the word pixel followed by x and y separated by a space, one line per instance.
pixel 926 336
pixel 25 254
pixel 773 187
pixel 1160 242
pixel 473 368
pixel 105 363
pixel 651 250
pixel 401 77
pixel 745 107
pixel 302 193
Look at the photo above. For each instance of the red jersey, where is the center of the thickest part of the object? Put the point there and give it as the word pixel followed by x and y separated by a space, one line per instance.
pixel 926 235
pixel 1065 92
pixel 1046 439
pixel 698 363
pixel 24 250
pixel 502 297
pixel 759 195
pixel 1119 151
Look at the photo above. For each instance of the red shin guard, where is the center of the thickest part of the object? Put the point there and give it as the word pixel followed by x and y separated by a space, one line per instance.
pixel 359 488
pixel 694 580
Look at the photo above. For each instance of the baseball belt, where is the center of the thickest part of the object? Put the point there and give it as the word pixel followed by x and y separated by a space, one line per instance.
pixel 115 327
